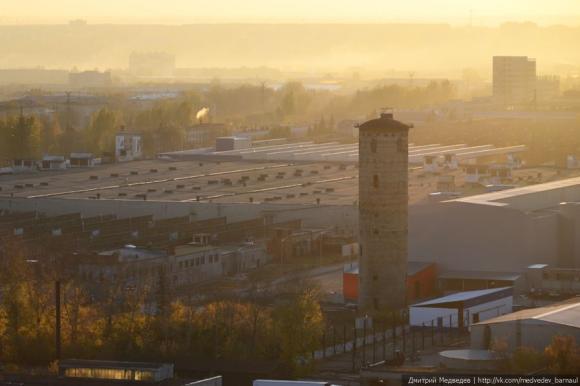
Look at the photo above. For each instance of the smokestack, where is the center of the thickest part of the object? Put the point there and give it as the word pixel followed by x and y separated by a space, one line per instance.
pixel 201 114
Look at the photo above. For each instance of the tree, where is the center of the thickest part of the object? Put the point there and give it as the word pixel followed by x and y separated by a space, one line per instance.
pixel 299 325
pixel 100 135
pixel 563 355
pixel 21 137
pixel 51 134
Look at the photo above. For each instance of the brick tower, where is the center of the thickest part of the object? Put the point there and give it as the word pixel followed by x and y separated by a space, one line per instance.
pixel 383 210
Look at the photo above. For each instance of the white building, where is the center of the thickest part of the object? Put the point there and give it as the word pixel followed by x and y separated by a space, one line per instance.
pixel 533 328
pixel 462 308
pixel 128 146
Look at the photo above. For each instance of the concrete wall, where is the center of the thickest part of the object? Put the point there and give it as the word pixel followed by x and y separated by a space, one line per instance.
pixel 314 216
pixel 534 333
pixel 463 236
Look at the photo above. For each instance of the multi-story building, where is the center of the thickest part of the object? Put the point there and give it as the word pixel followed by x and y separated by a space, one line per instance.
pixel 514 80
pixel 181 266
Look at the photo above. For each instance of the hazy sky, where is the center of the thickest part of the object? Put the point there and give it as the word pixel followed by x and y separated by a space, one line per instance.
pixel 479 12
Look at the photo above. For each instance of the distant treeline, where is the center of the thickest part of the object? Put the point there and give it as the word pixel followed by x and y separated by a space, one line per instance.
pixel 163 124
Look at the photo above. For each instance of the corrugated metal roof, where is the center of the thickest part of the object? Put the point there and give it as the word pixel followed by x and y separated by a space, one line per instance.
pixel 461 297
pixel 565 313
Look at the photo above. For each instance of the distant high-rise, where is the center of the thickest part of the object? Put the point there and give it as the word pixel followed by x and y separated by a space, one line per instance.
pixel 514 80
pixel 383 212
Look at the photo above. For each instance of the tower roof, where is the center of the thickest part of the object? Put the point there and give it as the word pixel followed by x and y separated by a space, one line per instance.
pixel 385 122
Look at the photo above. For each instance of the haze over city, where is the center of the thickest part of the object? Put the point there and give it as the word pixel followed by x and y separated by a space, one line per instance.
pixel 289 193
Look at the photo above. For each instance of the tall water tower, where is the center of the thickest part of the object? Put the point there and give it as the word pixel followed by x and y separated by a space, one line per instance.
pixel 383 211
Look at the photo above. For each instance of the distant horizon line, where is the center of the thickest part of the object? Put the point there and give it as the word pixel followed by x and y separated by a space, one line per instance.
pixel 79 23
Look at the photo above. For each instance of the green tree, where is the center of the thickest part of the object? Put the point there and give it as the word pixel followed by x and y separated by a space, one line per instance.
pixel 299 325
pixel 100 135
pixel 22 137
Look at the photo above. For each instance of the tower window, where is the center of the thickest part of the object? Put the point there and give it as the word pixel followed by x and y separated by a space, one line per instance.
pixel 373 145
pixel 375 181
pixel 401 145
pixel 376 303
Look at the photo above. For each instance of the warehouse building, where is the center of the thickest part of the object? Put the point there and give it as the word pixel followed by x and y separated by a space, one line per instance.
pixel 462 309
pixel 533 328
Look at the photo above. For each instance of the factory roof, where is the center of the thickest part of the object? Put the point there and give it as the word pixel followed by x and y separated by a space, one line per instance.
pixel 206 181
pixel 467 298
pixel 532 197
pixel 564 313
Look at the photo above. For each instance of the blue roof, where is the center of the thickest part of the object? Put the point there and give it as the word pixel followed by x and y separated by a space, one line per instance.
pixel 468 298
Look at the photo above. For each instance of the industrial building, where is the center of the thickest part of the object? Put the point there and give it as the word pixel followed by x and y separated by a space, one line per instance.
pixel 462 309
pixel 534 328
pixel 383 213
pixel 543 280
pixel 421 281
pixel 115 371
pixel 504 231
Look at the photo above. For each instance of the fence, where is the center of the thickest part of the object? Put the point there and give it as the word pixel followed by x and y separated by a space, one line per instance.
pixel 380 341
pixel 214 381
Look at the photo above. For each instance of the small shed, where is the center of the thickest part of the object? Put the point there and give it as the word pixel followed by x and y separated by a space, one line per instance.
pixel 463 308
pixel 53 162
pixel 82 160
pixel 24 165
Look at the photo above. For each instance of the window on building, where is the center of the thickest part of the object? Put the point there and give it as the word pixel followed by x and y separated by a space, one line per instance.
pixel 475 318
pixel 375 181
pixel 373 145
pixel 401 145
pixel 376 303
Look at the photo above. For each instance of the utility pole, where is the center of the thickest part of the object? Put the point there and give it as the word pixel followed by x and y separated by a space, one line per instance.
pixel 57 321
